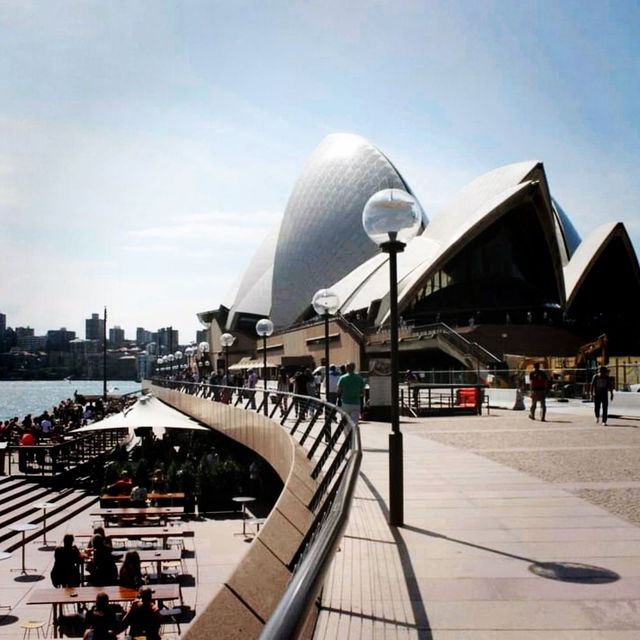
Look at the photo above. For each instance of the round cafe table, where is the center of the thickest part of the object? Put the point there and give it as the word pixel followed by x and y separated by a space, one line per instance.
pixel 24 527
pixel 44 506
pixel 243 500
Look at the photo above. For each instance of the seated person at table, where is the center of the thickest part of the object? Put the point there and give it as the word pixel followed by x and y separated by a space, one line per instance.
pixel 158 482
pixel 130 572
pixel 105 538
pixel 101 620
pixel 143 617
pixel 121 486
pixel 101 565
pixel 66 564
pixel 138 496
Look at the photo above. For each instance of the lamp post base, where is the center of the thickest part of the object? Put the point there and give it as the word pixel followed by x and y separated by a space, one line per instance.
pixel 396 488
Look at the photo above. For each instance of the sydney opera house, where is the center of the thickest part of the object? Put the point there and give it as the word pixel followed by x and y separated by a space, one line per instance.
pixel 500 270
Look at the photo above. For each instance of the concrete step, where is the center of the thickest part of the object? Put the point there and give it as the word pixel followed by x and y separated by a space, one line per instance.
pixel 67 503
pixel 10 483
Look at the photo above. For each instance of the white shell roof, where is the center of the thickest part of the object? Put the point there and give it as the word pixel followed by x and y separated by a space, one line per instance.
pixel 373 280
pixel 257 301
pixel 468 227
pixel 471 207
pixel 321 236
pixel 253 293
pixel 490 187
pixel 585 255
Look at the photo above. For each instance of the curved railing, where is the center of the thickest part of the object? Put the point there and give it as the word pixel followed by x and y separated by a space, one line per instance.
pixel 332 445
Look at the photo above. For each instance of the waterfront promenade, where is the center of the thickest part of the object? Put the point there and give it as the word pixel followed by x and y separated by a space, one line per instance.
pixel 495 507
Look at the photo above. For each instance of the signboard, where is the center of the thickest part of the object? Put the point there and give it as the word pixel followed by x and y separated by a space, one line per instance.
pixel 380 382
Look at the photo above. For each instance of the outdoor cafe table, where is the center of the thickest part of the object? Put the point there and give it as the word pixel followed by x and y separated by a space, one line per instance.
pixel 58 597
pixel 153 496
pixel 133 533
pixel 158 556
pixel 120 512
pixel 244 500
pixel 23 527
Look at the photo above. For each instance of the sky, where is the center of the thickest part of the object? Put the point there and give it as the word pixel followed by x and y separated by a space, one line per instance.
pixel 146 148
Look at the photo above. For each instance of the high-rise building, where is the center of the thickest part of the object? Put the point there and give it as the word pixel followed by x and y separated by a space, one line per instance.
pixel 116 337
pixel 24 332
pixel 94 327
pixel 143 336
pixel 29 342
pixel 167 340
pixel 58 339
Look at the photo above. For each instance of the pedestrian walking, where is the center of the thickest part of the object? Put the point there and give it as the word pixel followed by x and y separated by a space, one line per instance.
pixel 601 391
pixel 350 390
pixel 539 381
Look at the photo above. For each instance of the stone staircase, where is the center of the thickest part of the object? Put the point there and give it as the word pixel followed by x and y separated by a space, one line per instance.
pixel 18 500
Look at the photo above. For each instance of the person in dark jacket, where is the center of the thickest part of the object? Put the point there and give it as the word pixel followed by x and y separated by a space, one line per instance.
pixel 601 390
pixel 101 620
pixel 539 382
pixel 101 566
pixel 143 617
pixel 66 564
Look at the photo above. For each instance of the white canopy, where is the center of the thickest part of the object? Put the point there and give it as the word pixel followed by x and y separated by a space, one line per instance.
pixel 148 411
pixel 249 363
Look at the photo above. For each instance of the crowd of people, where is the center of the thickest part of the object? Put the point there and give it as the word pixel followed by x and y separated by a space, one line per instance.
pixel 345 386
pixel 52 426
pixel 68 415
pixel 102 620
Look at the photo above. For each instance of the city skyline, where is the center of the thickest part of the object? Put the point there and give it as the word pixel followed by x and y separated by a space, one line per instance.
pixel 83 334
pixel 146 151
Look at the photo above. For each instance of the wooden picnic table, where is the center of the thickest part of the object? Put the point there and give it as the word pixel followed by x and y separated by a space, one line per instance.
pixel 59 597
pixel 134 533
pixel 151 555
pixel 153 496
pixel 136 512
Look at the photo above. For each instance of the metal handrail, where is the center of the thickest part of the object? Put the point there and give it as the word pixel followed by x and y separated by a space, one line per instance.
pixel 331 502
pixel 289 616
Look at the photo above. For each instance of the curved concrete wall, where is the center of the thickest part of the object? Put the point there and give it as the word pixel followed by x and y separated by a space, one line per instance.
pixel 242 606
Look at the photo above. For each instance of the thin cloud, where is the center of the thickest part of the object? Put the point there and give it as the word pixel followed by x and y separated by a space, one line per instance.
pixel 221 227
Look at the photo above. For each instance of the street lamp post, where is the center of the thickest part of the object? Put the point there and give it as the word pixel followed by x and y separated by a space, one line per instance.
pixel 188 354
pixel 170 358
pixel 391 218
pixel 226 340
pixel 203 348
pixel 326 303
pixel 178 358
pixel 264 328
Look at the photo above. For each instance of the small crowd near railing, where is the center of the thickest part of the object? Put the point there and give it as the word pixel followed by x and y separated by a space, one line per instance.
pixel 57 425
pixel 302 381
pixel 52 426
pixel 345 388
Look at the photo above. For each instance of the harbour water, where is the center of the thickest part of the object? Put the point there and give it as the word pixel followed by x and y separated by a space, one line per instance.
pixel 18 398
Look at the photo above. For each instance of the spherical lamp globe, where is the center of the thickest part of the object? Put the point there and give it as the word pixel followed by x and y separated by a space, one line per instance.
pixel 392 215
pixel 325 301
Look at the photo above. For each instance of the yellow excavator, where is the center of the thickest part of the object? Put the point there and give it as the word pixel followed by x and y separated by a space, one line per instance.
pixel 593 354
pixel 589 358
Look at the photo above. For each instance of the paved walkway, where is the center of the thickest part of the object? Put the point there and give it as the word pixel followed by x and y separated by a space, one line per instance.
pixel 493 516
